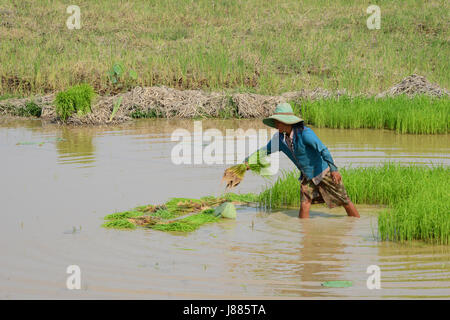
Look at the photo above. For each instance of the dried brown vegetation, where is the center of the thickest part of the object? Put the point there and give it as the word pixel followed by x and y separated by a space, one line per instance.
pixel 164 102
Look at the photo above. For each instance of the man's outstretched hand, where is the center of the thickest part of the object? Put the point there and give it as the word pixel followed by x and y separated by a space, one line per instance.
pixel 336 176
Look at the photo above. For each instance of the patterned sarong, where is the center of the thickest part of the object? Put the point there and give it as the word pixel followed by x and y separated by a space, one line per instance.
pixel 325 192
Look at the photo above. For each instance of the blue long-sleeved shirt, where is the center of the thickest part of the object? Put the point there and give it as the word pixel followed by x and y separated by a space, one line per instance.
pixel 310 155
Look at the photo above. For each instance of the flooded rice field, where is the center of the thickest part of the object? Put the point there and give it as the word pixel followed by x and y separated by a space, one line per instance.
pixel 57 184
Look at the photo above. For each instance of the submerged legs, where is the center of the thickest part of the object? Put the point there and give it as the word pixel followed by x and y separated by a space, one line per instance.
pixel 304 209
pixel 306 205
pixel 351 210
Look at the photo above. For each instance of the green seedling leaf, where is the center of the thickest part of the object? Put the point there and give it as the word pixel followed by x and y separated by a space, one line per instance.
pixel 118 69
pixel 116 107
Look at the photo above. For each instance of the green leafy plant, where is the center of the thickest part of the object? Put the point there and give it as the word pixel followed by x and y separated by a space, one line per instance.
pixel 76 99
pixel 117 75
pixel 116 107
pixel 31 109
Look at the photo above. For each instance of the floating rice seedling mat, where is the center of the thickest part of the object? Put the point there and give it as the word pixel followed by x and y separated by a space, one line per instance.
pixel 177 214
pixel 337 284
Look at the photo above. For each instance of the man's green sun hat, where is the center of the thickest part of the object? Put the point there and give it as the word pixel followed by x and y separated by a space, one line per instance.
pixel 283 113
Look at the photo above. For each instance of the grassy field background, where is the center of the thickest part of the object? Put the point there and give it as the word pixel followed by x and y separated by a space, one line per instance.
pixel 251 46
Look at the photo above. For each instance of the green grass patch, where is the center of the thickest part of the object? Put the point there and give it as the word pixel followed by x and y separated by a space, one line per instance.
pixel 30 109
pixel 253 46
pixel 417 197
pixel 76 99
pixel 418 115
pixel 9 96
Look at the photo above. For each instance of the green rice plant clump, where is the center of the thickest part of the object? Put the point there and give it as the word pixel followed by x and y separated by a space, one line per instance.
pixel 419 115
pixel 385 185
pixel 284 192
pixel 417 198
pixel 76 99
pixel 424 216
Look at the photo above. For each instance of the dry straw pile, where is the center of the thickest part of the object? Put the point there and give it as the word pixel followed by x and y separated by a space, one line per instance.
pixel 415 84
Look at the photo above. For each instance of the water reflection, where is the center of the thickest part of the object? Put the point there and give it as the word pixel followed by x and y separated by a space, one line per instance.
pixel 348 147
pixel 320 253
pixel 76 146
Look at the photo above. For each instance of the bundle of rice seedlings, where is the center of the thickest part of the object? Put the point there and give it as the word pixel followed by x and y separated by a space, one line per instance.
pixel 234 175
pixel 256 163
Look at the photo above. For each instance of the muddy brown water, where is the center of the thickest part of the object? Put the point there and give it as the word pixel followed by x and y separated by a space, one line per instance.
pixel 55 195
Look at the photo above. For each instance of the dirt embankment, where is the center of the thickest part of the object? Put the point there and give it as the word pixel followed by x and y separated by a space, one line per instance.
pixel 172 103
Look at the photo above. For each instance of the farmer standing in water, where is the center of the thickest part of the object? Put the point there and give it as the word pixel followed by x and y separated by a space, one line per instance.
pixel 320 180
